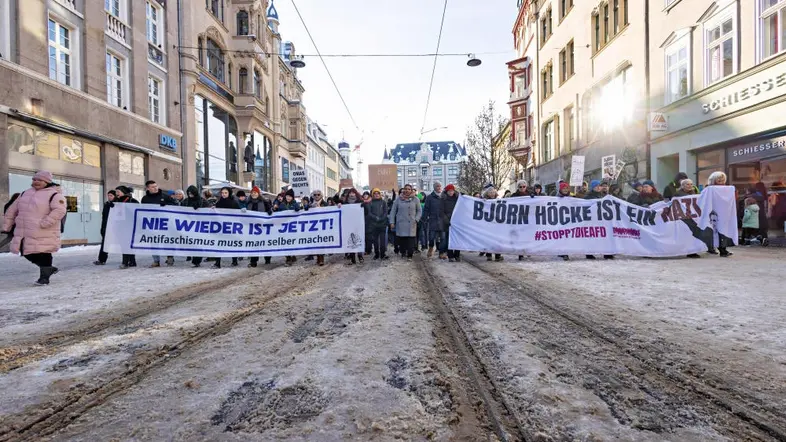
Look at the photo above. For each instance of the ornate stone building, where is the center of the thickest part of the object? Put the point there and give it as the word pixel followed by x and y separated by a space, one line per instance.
pixel 422 164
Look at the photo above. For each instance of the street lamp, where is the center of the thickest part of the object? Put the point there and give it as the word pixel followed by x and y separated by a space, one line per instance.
pixel 473 61
pixel 298 62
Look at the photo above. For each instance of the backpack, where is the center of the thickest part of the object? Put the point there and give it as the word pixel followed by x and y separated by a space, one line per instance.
pixel 63 220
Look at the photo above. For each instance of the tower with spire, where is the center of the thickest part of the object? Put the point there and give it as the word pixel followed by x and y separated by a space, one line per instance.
pixel 272 17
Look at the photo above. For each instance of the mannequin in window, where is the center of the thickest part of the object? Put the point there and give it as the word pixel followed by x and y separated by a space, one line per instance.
pixel 248 157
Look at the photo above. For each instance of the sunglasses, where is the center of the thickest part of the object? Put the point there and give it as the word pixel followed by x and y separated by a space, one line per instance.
pixel 522 187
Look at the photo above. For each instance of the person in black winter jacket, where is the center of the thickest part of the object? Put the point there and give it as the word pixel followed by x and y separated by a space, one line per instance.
pixel 125 196
pixel 671 189
pixel 102 255
pixel 432 219
pixel 154 195
pixel 596 192
pixel 226 201
pixel 449 200
pixel 289 203
pixel 10 233
pixel 648 196
pixel 377 221
pixel 258 203
pixel 196 202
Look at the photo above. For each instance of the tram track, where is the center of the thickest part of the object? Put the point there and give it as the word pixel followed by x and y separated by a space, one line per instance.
pixel 56 416
pixel 641 361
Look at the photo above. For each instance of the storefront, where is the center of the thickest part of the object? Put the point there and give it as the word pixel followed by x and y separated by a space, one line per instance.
pixel 760 164
pixel 735 126
pixel 216 143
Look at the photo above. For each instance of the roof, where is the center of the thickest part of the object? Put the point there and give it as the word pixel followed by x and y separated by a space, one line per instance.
pixel 440 149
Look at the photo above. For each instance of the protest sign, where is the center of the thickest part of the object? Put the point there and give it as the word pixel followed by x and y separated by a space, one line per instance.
pixel 383 176
pixel 608 226
pixel 346 183
pixel 577 171
pixel 180 231
pixel 608 166
pixel 300 183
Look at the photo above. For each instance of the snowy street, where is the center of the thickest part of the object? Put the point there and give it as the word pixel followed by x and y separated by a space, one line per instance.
pixel 538 349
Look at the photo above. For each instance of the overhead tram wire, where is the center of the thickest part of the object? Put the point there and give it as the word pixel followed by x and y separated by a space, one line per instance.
pixel 434 68
pixel 325 65
pixel 412 55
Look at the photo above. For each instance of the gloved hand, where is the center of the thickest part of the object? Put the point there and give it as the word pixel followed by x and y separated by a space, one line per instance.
pixel 111 204
pixel 243 210
pixel 163 202
pixel 270 212
pixel 196 206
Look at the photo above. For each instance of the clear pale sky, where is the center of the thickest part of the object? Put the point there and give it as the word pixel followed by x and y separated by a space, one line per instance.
pixel 387 96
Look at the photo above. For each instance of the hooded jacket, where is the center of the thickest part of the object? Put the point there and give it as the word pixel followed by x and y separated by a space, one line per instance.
pixel 376 214
pixel 227 203
pixel 750 220
pixel 432 212
pixel 35 217
pixel 195 202
pixel 159 198
pixel 448 206
pixel 671 189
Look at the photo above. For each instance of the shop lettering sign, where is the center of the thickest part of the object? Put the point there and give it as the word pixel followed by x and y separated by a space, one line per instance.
pixel 761 149
pixel 167 142
pixel 753 92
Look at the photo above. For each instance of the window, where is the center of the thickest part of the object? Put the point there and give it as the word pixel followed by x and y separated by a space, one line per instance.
pixel 772 30
pixel 548 141
pixel 229 75
pixel 547 81
pixel 424 158
pixel 424 171
pixel 571 59
pixel 596 33
pixel 437 171
pixel 720 46
pixel 154 23
pixel 616 13
pixel 453 171
pixel 215 60
pixel 243 84
pixel 59 53
pixel 115 78
pixel 545 26
pixel 257 84
pixel 412 172
pixel 113 7
pixel 5 29
pixel 563 66
pixel 154 91
pixel 570 128
pixel 678 70
pixel 28 140
pixel 216 7
pixel 625 12
pixel 242 23
pixel 565 7
pixel 605 23
pixel 201 51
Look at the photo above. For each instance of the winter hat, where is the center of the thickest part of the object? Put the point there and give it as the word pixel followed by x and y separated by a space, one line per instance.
pixel 43 175
pixel 487 186
pixel 636 185
pixel 563 185
pixel 450 187
pixel 179 192
pixel 648 183
pixel 240 193
pixel 594 184
pixel 125 189
pixel 680 176
pixel 113 192
pixel 538 186
pixel 375 190
pixel 291 193
pixel 256 189
pixel 366 193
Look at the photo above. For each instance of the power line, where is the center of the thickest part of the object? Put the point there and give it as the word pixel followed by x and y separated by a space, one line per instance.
pixel 389 55
pixel 325 65
pixel 434 69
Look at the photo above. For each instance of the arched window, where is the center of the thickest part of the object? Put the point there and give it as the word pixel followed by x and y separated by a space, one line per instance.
pixel 243 81
pixel 257 84
pixel 242 23
pixel 215 60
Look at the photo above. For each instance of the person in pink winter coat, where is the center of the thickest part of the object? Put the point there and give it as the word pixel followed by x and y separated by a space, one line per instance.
pixel 35 217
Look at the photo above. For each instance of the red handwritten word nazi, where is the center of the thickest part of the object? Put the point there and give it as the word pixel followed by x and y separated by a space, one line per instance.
pixel 576 232
pixel 621 232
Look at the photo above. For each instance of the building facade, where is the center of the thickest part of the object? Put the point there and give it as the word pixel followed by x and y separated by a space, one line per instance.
pixel 245 119
pixel 344 165
pixel 91 94
pixel 423 164
pixel 315 162
pixel 590 98
pixel 332 170
pixel 719 95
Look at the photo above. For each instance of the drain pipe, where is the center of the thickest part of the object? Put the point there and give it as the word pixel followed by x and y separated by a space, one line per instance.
pixel 647 85
pixel 181 81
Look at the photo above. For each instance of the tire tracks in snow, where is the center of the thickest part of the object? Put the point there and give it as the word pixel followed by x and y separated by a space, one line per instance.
pixel 58 416
pixel 642 361
pixel 498 410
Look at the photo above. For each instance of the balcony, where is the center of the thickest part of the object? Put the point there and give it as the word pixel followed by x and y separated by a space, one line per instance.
pixel 298 148
pixel 520 149
pixel 69 4
pixel 521 93
pixel 118 30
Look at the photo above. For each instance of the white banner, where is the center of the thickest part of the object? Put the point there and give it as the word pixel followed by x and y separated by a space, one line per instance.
pixel 608 226
pixel 299 181
pixel 576 171
pixel 179 231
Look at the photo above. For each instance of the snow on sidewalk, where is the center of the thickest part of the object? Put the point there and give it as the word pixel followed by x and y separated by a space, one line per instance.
pixel 82 290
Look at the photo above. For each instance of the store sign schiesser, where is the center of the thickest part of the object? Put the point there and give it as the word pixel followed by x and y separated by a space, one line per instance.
pixel 756 150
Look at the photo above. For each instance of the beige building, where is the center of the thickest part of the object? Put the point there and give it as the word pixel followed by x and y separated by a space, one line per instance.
pixel 589 67
pixel 718 86
pixel 246 122
pixel 90 92
pixel 332 160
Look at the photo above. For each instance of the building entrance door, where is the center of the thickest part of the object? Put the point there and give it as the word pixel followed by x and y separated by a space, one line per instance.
pixel 83 204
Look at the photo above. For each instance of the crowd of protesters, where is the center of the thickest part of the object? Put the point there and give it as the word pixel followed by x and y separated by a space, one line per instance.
pixel 409 221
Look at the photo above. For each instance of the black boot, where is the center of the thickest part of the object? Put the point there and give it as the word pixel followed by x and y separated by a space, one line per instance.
pixel 234 262
pixel 267 260
pixel 217 264
pixel 46 272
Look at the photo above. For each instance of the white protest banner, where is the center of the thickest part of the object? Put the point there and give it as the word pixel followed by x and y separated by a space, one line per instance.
pixel 608 166
pixel 180 231
pixel 608 226
pixel 299 181
pixel 619 168
pixel 577 170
